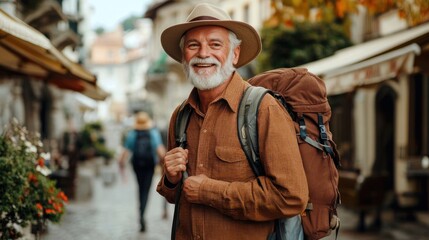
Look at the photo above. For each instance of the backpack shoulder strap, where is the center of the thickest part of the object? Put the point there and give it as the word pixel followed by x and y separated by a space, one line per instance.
pixel 182 121
pixel 247 126
pixel 181 124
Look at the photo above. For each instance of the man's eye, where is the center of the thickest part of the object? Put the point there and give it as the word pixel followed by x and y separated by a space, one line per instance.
pixel 192 46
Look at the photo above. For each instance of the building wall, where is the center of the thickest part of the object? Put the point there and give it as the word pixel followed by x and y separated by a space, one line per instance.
pixel 120 60
pixel 23 94
pixel 11 102
pixel 365 134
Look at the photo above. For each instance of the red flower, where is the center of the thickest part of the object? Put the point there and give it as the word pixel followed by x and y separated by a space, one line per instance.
pixel 41 161
pixel 32 178
pixel 50 211
pixel 63 196
pixel 39 209
pixel 58 207
pixel 39 206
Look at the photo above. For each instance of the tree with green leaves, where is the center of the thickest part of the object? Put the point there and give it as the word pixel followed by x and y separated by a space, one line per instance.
pixel 129 23
pixel 99 30
pixel 306 42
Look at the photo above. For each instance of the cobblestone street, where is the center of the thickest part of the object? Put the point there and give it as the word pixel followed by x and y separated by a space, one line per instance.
pixel 111 214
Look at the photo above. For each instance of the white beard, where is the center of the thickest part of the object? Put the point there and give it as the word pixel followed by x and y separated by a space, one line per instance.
pixel 202 79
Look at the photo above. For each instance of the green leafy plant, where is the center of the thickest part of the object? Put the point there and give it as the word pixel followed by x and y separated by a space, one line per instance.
pixel 306 42
pixel 27 195
pixel 93 142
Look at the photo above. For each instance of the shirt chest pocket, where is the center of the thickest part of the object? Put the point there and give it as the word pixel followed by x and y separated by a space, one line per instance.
pixel 231 165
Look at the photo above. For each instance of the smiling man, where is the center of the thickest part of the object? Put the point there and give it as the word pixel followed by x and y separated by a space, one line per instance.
pixel 222 198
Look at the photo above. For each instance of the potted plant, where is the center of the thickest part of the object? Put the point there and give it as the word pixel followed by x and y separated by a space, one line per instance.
pixel 27 195
pixel 93 142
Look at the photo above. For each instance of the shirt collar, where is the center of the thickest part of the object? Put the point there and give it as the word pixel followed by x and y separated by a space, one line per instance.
pixel 234 91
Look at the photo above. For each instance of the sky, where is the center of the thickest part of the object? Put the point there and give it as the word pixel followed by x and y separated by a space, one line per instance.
pixel 109 13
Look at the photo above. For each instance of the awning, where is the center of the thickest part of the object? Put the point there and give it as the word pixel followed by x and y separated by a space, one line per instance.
pixel 372 71
pixel 367 50
pixel 26 51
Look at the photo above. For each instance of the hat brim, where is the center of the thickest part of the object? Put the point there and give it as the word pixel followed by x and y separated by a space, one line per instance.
pixel 250 41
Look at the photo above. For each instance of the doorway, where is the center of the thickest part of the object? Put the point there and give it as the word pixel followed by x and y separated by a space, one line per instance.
pixel 384 163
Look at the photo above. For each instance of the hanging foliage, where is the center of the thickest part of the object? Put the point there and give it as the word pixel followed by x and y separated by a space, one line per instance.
pixel 287 11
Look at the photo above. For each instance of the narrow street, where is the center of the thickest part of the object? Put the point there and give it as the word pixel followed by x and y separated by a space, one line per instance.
pixel 111 214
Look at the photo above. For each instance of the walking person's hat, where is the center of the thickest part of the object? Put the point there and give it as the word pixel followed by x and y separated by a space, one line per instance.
pixel 205 14
pixel 142 121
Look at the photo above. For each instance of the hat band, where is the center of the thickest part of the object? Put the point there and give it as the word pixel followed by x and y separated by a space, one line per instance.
pixel 203 18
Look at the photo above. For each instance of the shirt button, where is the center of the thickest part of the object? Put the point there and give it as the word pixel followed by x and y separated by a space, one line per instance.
pixel 201 165
pixel 205 130
pixel 198 237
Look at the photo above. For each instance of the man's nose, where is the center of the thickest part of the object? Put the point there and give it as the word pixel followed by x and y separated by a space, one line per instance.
pixel 204 51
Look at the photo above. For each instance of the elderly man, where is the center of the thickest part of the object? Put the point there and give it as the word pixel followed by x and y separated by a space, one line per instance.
pixel 222 198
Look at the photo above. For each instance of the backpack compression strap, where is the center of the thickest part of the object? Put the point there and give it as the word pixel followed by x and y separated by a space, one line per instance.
pixel 303 133
pixel 181 125
pixel 323 145
pixel 324 136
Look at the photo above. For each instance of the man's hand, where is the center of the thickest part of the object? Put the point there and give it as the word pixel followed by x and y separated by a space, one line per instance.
pixel 175 162
pixel 191 187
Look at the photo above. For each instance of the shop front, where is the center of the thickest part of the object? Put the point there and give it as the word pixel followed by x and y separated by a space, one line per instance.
pixel 378 93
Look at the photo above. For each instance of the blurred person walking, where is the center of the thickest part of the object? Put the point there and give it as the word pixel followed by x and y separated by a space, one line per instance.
pixel 144 146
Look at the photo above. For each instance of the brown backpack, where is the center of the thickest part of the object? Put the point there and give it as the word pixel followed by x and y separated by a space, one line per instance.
pixel 304 96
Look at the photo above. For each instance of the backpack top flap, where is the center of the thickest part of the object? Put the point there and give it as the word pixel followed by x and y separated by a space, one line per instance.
pixel 302 90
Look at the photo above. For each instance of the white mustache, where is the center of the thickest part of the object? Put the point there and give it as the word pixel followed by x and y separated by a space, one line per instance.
pixel 197 60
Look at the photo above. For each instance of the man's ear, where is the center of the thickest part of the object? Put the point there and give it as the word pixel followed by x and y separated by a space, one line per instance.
pixel 236 55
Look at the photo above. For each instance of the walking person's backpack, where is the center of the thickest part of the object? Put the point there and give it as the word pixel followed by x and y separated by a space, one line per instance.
pixel 304 97
pixel 142 153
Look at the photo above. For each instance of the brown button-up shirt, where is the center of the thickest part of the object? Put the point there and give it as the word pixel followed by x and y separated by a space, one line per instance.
pixel 233 204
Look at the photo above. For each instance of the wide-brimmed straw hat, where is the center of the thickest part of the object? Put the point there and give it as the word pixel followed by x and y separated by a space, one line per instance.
pixel 205 14
pixel 142 121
